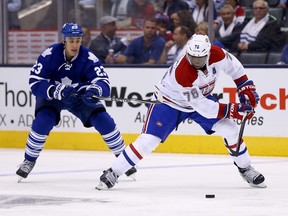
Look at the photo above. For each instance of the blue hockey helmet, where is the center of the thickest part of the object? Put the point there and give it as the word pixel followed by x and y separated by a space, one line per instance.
pixel 71 30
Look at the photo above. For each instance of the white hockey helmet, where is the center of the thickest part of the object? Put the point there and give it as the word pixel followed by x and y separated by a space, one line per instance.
pixel 198 50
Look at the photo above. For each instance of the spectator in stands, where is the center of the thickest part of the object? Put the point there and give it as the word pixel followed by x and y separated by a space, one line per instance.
pixel 239 11
pixel 162 26
pixel 229 28
pixel 176 48
pixel 87 3
pixel 159 5
pixel 119 10
pixel 261 33
pixel 191 4
pixel 203 29
pixel 200 12
pixel 139 10
pixel 146 49
pixel 13 7
pixel 86 40
pixel 183 18
pixel 218 4
pixel 132 13
pixel 279 3
pixel 88 13
pixel 107 40
pixel 172 6
pixel 284 55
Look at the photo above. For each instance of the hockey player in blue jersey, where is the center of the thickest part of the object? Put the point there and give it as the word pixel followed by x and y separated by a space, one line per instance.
pixel 60 72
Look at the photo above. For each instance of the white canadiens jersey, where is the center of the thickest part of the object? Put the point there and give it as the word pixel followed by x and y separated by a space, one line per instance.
pixel 186 89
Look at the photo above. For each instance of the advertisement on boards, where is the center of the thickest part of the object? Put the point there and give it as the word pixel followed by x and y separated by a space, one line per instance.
pixel 17 102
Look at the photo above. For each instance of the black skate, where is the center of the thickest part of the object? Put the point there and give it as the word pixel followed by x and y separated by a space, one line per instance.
pixel 131 173
pixel 24 169
pixel 253 177
pixel 107 180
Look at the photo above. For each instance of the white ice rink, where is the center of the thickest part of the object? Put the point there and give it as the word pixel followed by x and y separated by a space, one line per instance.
pixel 63 182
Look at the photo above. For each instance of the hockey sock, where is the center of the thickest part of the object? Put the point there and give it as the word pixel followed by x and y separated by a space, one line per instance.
pixel 42 125
pixel 114 141
pixel 229 130
pixel 134 152
pixel 34 145
pixel 106 126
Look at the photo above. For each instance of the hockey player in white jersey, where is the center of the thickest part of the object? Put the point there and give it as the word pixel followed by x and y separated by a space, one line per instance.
pixel 185 92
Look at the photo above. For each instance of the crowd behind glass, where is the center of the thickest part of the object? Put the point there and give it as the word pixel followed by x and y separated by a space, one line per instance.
pixel 170 17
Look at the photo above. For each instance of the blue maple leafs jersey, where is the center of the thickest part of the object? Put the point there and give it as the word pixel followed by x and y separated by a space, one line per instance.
pixel 52 68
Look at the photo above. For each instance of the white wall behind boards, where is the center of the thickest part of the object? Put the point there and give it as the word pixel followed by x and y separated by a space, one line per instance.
pixel 17 102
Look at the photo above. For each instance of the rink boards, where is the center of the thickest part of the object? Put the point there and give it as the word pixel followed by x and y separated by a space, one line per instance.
pixel 265 134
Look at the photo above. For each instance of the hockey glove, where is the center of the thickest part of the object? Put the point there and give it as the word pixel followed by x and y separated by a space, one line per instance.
pixel 234 110
pixel 65 93
pixel 90 97
pixel 247 93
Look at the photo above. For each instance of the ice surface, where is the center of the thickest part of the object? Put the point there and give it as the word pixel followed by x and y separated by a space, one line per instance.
pixel 63 183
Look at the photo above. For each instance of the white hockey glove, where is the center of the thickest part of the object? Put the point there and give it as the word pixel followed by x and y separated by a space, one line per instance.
pixel 64 93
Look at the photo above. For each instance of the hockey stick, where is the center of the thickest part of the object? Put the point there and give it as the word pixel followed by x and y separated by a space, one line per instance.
pixel 243 123
pixel 240 136
pixel 128 100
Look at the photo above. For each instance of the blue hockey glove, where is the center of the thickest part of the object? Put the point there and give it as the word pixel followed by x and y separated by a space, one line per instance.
pixel 90 97
pixel 247 93
pixel 65 93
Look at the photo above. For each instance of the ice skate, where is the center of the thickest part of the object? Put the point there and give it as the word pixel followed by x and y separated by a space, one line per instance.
pixel 253 177
pixel 107 180
pixel 24 169
pixel 131 173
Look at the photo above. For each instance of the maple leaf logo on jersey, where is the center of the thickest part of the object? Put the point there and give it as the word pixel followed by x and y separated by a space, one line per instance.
pixel 92 57
pixel 46 52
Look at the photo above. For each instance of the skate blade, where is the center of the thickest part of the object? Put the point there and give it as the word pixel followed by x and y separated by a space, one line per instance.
pixel 19 179
pixel 132 176
pixel 261 185
pixel 101 186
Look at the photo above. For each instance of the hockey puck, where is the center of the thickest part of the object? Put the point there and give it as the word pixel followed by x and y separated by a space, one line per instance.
pixel 210 196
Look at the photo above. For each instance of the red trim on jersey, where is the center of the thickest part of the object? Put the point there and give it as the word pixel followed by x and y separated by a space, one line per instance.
pixel 241 79
pixel 185 74
pixel 185 107
pixel 209 84
pixel 147 118
pixel 222 110
pixel 135 151
pixel 216 54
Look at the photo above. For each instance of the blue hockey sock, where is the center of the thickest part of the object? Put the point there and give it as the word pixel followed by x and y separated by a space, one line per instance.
pixel 106 126
pixel 43 123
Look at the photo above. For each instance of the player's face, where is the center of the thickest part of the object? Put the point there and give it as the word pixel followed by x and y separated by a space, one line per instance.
pixel 72 46
pixel 197 62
